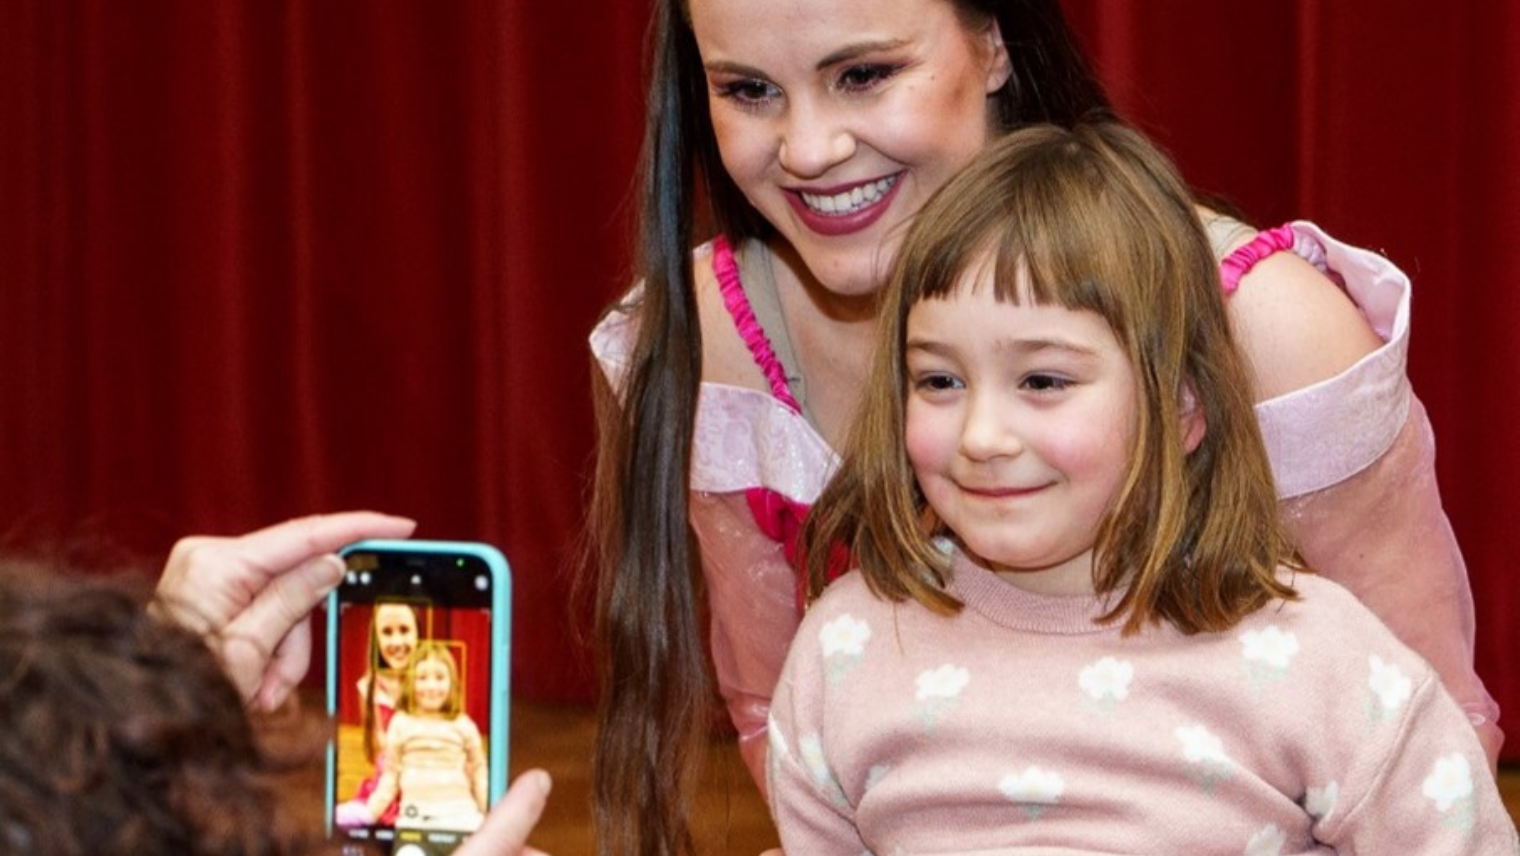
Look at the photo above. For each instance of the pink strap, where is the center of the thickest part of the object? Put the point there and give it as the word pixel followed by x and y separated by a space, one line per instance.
pixel 745 322
pixel 1240 262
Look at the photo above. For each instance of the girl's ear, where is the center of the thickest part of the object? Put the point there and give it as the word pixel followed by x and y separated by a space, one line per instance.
pixel 1000 68
pixel 1194 426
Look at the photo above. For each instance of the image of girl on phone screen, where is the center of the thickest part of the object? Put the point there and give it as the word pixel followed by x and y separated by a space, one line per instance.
pixel 434 763
pixel 395 630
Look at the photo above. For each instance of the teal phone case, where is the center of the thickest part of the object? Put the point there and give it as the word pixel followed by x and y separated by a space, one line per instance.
pixel 500 641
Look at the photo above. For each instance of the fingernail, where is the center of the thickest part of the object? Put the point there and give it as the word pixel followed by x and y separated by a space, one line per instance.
pixel 339 567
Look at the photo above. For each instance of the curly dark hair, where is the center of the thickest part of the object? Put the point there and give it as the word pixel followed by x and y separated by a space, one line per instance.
pixel 120 734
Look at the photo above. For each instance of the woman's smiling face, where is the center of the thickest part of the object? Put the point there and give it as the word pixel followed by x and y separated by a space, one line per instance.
pixel 837 119
pixel 396 633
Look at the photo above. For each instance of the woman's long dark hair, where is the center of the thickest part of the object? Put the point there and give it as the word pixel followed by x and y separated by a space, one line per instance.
pixel 656 696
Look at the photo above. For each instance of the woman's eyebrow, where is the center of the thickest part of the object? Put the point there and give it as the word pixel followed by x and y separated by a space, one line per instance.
pixel 844 54
pixel 859 49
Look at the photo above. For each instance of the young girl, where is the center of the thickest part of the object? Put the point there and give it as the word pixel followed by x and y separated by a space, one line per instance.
pixel 1077 625
pixel 393 639
pixel 781 166
pixel 434 763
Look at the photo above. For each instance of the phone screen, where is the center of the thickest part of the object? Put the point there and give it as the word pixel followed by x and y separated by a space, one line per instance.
pixel 416 686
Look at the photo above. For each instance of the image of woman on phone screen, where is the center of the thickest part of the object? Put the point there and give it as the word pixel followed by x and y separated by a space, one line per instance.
pixel 394 636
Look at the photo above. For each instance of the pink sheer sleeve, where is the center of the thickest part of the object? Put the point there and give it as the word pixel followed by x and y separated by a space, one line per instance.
pixel 751 590
pixel 747 440
pixel 1383 534
pixel 1354 461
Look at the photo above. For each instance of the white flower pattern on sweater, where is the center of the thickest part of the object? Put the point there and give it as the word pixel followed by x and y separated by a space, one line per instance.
pixel 1268 653
pixel 1450 787
pixel 1390 688
pixel 1320 802
pixel 1268 842
pixel 1034 788
pixel 1106 682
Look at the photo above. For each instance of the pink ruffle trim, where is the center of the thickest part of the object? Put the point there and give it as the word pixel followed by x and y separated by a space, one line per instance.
pixel 1240 262
pixel 745 322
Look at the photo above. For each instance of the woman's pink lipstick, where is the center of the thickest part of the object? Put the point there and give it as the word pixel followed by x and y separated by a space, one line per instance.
pixel 833 224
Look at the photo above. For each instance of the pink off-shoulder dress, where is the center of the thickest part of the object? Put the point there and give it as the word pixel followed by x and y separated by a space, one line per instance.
pixel 1353 457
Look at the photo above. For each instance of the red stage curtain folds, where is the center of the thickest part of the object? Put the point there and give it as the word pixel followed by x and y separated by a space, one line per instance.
pixel 259 259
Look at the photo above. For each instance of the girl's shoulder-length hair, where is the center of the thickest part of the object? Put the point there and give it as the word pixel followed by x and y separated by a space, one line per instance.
pixel 1091 218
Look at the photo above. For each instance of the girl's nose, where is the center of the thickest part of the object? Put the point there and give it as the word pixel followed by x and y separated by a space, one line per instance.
pixel 814 140
pixel 989 431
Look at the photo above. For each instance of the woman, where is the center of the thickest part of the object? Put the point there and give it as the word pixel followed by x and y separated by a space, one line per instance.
pixel 394 634
pixel 811 131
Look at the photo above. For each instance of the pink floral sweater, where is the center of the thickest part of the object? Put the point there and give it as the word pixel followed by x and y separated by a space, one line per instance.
pixel 1020 726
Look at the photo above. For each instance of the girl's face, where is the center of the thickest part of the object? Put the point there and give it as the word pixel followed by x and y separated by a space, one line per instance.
pixel 431 684
pixel 838 118
pixel 1019 426
pixel 396 630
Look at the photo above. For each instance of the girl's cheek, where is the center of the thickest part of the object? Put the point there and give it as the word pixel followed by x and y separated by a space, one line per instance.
pixel 923 439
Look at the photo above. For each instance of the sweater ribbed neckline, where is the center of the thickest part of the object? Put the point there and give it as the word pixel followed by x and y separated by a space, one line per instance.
pixel 1007 605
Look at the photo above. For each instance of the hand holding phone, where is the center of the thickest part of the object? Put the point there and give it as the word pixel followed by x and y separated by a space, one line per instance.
pixel 418 636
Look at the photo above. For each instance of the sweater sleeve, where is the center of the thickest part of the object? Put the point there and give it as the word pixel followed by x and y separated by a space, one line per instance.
pixel 811 811
pixel 1428 789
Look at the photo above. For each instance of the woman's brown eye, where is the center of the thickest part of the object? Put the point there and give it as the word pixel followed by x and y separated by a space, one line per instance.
pixel 865 76
pixel 748 91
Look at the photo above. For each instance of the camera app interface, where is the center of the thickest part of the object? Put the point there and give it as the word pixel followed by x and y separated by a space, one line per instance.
pixel 413 708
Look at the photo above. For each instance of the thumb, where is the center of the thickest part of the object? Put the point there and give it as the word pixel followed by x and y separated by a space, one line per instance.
pixel 506 828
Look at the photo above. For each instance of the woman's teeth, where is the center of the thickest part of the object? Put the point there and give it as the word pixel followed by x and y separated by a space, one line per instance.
pixel 850 201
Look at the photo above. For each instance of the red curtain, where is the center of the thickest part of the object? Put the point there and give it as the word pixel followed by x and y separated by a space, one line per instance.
pixel 264 258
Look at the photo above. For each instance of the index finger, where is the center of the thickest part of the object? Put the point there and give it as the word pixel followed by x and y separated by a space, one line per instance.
pixel 286 545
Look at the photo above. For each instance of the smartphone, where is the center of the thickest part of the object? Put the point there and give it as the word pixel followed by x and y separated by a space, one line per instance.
pixel 418 637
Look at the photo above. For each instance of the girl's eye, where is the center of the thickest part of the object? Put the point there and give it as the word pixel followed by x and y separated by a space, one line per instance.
pixel 937 382
pixel 860 78
pixel 748 92
pixel 1046 383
